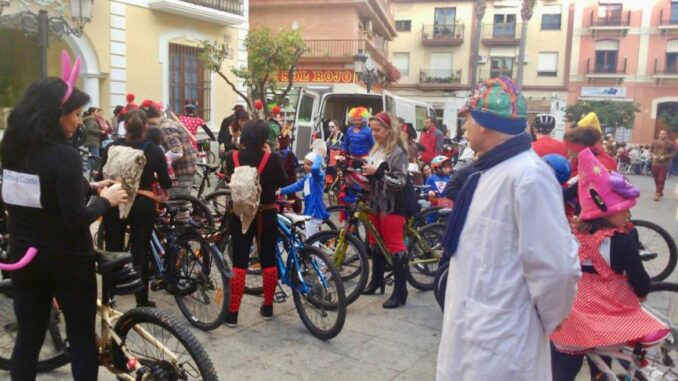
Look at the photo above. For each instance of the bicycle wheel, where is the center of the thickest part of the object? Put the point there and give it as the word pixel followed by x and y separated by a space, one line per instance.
pixel 662 303
pixel 148 334
pixel 354 268
pixel 657 249
pixel 253 281
pixel 424 256
pixel 440 284
pixel 199 212
pixel 211 159
pixel 203 290
pixel 218 203
pixel 338 214
pixel 53 353
pixel 320 300
pixel 427 216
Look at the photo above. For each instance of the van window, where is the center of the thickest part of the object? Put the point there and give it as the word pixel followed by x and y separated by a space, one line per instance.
pixel 390 105
pixel 305 108
pixel 420 114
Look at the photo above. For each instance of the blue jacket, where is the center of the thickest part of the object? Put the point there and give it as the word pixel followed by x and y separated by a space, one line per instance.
pixel 313 185
pixel 437 183
pixel 358 143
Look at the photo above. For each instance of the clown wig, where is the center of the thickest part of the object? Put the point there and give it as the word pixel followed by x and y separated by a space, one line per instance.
pixel 359 113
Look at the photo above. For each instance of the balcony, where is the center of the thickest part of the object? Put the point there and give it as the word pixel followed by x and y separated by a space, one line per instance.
pixel 664 72
pixel 617 22
pixel 452 34
pixel 220 12
pixel 668 22
pixel 341 51
pixel 440 79
pixel 501 34
pixel 485 74
pixel 616 71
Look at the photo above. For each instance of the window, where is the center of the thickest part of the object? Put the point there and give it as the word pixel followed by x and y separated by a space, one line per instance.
pixel 501 66
pixel 551 16
pixel 441 66
pixel 403 25
pixel 189 80
pixel 607 52
pixel 674 12
pixel 548 64
pixel 402 62
pixel 444 20
pixel 672 56
pixel 609 14
pixel 504 26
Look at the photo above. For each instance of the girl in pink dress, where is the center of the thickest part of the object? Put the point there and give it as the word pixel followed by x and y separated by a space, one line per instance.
pixel 607 310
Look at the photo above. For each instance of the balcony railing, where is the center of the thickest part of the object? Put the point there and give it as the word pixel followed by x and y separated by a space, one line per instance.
pixel 486 74
pixel 670 18
pixel 501 34
pixel 440 77
pixel 344 49
pixel 449 34
pixel 231 6
pixel 593 67
pixel 665 69
pixel 616 19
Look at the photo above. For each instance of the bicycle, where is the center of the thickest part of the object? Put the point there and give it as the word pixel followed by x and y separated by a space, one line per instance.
pixel 140 344
pixel 91 164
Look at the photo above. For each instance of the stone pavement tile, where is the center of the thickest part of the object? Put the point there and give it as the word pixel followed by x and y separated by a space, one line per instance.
pixel 257 369
pixel 383 352
pixel 424 368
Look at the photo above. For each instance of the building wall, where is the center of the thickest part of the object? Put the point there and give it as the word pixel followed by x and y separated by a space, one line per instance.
pixel 339 22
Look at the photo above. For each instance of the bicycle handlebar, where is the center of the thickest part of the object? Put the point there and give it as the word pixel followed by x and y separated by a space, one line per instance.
pixel 23 262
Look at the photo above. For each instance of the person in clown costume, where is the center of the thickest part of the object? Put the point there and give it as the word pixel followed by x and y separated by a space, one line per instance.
pixel 358 140
pixel 607 309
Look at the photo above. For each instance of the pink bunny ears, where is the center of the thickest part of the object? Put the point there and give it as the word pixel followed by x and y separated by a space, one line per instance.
pixel 69 74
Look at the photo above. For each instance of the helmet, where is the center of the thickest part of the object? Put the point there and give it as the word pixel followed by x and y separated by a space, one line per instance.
pixel 439 161
pixel 560 166
pixel 544 123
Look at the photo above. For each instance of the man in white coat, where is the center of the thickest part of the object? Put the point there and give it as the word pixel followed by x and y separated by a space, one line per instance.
pixel 513 266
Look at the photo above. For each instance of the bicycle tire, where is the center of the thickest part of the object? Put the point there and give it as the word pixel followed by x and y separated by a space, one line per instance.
pixel 433 235
pixel 199 212
pixel 421 218
pixel 334 212
pixel 218 203
pixel 211 158
pixel 338 305
pixel 184 337
pixel 210 276
pixel 48 360
pixel 440 284
pixel 664 271
pixel 253 280
pixel 359 255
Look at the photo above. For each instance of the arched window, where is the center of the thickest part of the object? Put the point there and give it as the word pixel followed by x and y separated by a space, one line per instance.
pixel 607 55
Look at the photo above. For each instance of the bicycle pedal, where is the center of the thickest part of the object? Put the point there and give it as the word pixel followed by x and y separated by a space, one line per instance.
pixel 388 281
pixel 158 285
pixel 279 297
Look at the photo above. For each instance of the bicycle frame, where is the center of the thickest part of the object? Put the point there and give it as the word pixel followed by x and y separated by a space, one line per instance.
pixel 285 267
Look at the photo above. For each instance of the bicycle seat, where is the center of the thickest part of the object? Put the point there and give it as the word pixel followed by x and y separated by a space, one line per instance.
pixel 211 168
pixel 445 212
pixel 109 261
pixel 296 218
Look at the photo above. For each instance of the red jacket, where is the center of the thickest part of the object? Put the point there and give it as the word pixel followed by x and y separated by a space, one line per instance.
pixel 548 145
pixel 433 141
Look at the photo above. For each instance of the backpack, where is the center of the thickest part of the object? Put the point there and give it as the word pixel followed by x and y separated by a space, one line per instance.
pixel 411 198
pixel 125 165
pixel 246 189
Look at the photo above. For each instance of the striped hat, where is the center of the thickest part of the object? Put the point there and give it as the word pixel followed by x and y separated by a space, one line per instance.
pixel 499 105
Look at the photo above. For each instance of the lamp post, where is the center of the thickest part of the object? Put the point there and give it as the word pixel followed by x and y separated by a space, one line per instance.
pixel 364 69
pixel 43 26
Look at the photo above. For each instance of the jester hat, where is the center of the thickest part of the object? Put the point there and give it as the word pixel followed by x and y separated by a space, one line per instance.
pixel 590 121
pixel 499 105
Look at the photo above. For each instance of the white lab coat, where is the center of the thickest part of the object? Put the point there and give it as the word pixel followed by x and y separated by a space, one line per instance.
pixel 513 278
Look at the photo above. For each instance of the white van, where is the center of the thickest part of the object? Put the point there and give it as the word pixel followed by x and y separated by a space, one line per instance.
pixel 314 111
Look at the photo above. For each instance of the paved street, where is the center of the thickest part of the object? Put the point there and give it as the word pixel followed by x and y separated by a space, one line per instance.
pixel 375 344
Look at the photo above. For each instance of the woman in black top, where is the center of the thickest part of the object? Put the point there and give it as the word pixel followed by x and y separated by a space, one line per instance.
pixel 272 177
pixel 229 137
pixel 143 213
pixel 44 192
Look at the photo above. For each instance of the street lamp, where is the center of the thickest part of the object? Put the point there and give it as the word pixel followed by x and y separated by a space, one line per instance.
pixel 364 68
pixel 43 26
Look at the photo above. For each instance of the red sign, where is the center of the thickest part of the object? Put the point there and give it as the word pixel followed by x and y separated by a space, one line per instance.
pixel 319 76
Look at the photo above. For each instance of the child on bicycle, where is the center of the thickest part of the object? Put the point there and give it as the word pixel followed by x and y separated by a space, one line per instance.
pixel 313 185
pixel 607 310
pixel 441 168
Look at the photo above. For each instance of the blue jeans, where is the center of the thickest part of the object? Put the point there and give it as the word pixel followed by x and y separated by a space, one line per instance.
pixel 90 161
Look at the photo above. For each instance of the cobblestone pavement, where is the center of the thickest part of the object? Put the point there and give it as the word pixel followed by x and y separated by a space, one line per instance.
pixel 375 344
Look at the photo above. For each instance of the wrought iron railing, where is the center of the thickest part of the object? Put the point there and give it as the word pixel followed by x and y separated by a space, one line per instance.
pixel 501 31
pixel 667 68
pixel 231 6
pixel 671 18
pixel 618 67
pixel 443 33
pixel 440 77
pixel 613 19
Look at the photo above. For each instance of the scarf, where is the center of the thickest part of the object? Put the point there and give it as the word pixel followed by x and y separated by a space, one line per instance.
pixel 462 188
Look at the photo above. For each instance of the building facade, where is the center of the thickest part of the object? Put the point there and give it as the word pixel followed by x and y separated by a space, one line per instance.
pixel 146 47
pixel 433 52
pixel 335 32
pixel 627 51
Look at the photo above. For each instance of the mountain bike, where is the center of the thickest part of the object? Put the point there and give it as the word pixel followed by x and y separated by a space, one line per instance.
pixel 140 344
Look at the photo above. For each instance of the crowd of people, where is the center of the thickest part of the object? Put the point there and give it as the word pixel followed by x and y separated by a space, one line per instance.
pixel 522 230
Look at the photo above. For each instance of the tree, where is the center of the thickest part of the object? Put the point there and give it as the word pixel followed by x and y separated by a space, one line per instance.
pixel 479 12
pixel 610 113
pixel 669 115
pixel 526 13
pixel 268 54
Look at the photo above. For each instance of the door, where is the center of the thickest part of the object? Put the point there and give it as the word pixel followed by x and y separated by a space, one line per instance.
pixel 444 22
pixel 501 66
pixel 504 26
pixel 441 66
pixel 304 121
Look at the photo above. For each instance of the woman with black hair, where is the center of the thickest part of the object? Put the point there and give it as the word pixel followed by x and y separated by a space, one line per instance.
pixel 44 192
pixel 265 225
pixel 143 212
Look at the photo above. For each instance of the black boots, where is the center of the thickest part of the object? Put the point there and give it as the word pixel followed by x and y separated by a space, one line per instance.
pixel 377 280
pixel 399 296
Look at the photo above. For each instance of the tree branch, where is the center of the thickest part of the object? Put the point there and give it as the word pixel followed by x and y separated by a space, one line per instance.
pixel 235 89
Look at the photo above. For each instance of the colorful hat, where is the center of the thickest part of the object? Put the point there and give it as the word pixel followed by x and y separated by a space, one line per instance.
pixel 497 104
pixel 359 113
pixel 602 193
pixel 590 121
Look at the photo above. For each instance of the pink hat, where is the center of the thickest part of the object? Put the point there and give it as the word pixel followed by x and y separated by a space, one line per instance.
pixel 602 193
